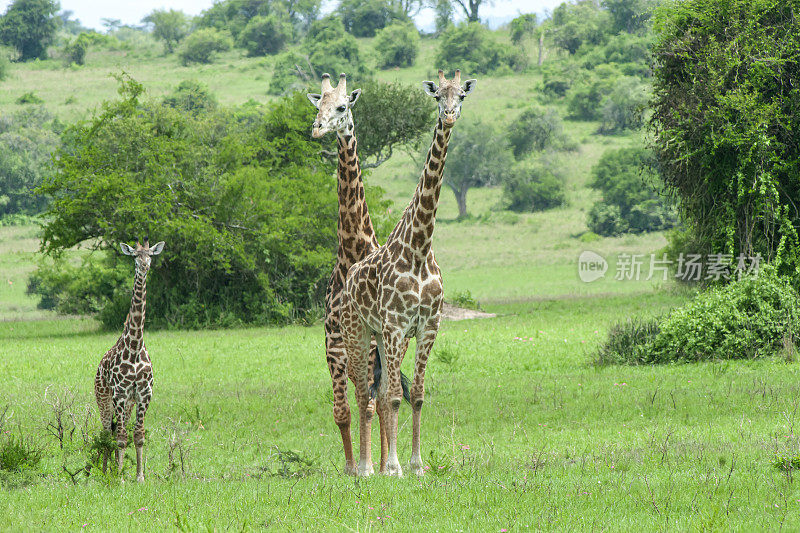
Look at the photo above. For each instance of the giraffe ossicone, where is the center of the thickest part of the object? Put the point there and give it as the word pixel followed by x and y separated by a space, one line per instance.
pixel 395 293
pixel 125 375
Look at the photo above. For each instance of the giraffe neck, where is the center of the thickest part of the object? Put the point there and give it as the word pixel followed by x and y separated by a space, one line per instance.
pixel 134 324
pixel 355 225
pixel 416 227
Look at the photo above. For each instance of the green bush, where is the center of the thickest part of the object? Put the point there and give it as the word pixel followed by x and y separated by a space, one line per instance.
pixel 624 107
pixel 29 97
pixel 472 48
pixel 75 51
pixel 587 96
pixel 29 26
pixel 523 26
pixel 18 453
pixel 535 130
pixel 265 35
pixel 364 18
pixel 242 197
pixel 397 45
pixel 628 179
pixel 748 318
pixel 630 52
pixel 578 24
pixel 329 48
pixel 192 96
pixel 201 45
pixel 28 139
pixel 533 187
pixel 628 342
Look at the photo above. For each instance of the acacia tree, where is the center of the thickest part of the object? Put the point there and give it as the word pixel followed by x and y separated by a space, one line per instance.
pixel 29 26
pixel 169 26
pixel 726 123
pixel 470 8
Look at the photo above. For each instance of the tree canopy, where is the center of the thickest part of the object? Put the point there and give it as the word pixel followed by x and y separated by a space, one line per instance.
pixel 29 26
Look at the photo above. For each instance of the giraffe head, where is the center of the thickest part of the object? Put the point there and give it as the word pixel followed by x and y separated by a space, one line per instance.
pixel 142 253
pixel 334 107
pixel 449 94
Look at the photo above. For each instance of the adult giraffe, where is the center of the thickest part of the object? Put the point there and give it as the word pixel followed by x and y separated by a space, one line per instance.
pixel 356 239
pixel 395 293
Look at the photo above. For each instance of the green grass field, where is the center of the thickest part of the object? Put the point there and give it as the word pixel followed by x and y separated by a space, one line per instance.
pixel 520 430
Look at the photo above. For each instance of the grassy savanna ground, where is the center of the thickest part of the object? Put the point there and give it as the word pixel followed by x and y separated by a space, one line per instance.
pixel 520 430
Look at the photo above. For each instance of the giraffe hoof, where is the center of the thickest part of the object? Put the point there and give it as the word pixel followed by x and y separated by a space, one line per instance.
pixel 350 470
pixel 394 470
pixel 365 470
pixel 140 478
pixel 417 469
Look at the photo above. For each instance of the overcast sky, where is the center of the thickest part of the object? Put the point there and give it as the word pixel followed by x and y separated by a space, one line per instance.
pixel 91 11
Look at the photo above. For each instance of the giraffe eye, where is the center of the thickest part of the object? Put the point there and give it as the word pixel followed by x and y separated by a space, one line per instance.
pixel 341 109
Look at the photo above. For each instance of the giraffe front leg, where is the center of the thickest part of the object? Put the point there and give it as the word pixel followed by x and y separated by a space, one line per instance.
pixel 424 346
pixel 337 366
pixel 393 344
pixel 138 436
pixel 357 342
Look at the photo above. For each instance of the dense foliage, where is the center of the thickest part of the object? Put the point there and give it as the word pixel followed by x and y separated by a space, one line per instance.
pixel 536 129
pixel 242 197
pixel 726 122
pixel 474 49
pixel 200 46
pixel 75 51
pixel 627 179
pixel 327 48
pixel 363 18
pixel 749 318
pixel 191 96
pixel 397 45
pixel 29 26
pixel 27 141
pixel 265 35
pixel 170 26
pixel 535 186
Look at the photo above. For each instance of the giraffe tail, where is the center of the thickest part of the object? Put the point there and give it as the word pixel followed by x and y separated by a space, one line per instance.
pixel 377 370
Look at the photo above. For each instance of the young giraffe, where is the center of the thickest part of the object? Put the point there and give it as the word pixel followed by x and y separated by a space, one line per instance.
pixel 125 375
pixel 356 240
pixel 395 293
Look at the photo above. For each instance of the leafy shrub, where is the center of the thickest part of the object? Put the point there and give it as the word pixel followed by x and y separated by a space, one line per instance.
pixel 472 48
pixel 628 178
pixel 586 97
pixel 578 24
pixel 18 453
pixel 27 141
pixel 624 107
pixel 397 45
pixel 200 46
pixel 748 318
pixel 265 35
pixel 628 341
pixel 465 300
pixel 29 26
pixel 329 49
pixel 170 26
pixel 75 52
pixel 631 52
pixel 363 18
pixel 534 187
pixel 522 27
pixel 242 198
pixel 29 97
pixel 536 129
pixel 192 96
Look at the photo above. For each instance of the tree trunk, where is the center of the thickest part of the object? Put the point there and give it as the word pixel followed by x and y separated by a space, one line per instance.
pixel 541 48
pixel 461 200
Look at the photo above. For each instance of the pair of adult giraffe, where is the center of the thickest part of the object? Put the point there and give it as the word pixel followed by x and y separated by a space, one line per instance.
pixel 388 293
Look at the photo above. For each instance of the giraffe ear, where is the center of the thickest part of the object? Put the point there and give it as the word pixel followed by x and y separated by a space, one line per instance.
pixel 314 99
pixel 469 85
pixel 354 96
pixel 127 250
pixel 430 87
pixel 155 250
